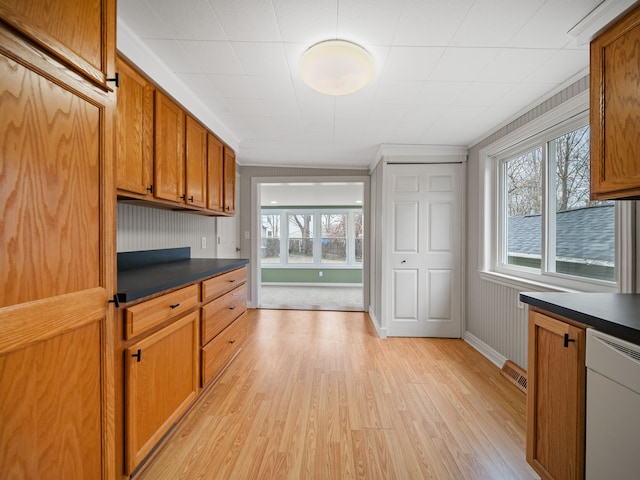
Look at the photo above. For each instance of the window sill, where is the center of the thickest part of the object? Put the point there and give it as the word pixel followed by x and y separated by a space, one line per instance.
pixel 519 283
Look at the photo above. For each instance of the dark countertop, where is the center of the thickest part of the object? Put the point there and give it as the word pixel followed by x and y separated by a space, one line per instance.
pixel 138 279
pixel 617 314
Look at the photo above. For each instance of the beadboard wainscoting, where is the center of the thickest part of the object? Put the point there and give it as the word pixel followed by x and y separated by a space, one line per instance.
pixel 143 228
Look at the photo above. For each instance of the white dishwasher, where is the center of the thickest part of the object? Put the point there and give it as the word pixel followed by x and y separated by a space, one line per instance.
pixel 613 408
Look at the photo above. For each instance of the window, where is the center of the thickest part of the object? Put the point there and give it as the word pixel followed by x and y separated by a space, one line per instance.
pixel 548 227
pixel 300 238
pixel 313 237
pixel 270 239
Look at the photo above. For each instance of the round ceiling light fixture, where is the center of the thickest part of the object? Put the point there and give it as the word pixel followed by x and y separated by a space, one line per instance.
pixel 336 67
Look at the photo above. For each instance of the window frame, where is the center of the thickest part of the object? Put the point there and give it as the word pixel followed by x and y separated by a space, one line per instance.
pixel 537 133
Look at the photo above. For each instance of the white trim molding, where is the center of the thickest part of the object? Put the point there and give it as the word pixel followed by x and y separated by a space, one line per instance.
pixel 485 350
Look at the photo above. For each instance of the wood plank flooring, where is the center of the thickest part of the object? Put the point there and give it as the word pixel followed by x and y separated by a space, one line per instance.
pixel 317 395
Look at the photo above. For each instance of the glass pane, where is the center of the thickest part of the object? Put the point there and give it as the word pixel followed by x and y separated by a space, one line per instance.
pixel 523 183
pixel 270 239
pixel 584 229
pixel 301 238
pixel 359 236
pixel 334 238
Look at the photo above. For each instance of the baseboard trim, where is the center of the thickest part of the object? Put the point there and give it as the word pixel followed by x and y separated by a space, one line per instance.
pixel 492 355
pixel 382 332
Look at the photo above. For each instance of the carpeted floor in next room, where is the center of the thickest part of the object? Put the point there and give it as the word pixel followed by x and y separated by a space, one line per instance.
pixel 308 297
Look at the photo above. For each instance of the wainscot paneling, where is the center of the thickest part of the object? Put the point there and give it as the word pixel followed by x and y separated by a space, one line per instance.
pixel 143 228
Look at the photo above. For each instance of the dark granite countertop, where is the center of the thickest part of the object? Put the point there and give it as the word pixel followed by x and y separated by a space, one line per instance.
pixel 617 314
pixel 145 273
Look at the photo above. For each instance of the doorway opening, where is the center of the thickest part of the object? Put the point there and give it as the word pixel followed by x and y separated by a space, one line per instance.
pixel 311 245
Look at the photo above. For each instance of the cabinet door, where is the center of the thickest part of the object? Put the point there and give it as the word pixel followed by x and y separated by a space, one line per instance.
pixel 196 163
pixel 556 398
pixel 215 181
pixel 169 150
pixel 81 34
pixel 161 376
pixel 134 132
pixel 56 269
pixel 615 116
pixel 229 181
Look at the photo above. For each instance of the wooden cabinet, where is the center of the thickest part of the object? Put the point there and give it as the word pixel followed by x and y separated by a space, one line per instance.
pixel 229 181
pixel 556 398
pixel 615 110
pixel 165 157
pixel 215 180
pixel 223 327
pixel 134 132
pixel 57 251
pixel 168 181
pixel 196 163
pixel 81 35
pixel 161 381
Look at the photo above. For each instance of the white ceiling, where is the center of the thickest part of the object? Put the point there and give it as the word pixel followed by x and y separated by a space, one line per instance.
pixel 447 71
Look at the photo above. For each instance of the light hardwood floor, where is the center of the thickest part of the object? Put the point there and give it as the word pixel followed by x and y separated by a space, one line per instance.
pixel 319 395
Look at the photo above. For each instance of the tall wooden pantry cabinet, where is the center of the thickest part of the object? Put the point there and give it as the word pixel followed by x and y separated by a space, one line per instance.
pixel 57 246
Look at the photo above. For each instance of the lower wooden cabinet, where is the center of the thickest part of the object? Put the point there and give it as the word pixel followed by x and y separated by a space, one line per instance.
pixel 217 353
pixel 161 381
pixel 556 398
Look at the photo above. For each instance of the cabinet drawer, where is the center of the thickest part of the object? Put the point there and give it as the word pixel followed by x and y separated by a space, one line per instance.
pixel 143 316
pixel 221 349
pixel 216 286
pixel 219 313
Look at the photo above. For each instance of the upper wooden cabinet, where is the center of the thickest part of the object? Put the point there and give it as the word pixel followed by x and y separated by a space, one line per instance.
pixel 169 149
pixel 615 110
pixel 196 164
pixel 229 181
pixel 79 34
pixel 134 132
pixel 165 157
pixel 556 398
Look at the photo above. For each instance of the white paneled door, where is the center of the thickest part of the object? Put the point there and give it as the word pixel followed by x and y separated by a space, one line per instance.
pixel 424 202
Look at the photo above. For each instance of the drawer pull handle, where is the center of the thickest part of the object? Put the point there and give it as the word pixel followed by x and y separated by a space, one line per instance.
pixel 232 341
pixel 567 340
pixel 231 281
pixel 138 355
pixel 232 308
pixel 175 305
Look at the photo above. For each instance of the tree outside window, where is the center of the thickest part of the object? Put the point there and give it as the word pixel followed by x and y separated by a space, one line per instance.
pixel 334 238
pixel 270 239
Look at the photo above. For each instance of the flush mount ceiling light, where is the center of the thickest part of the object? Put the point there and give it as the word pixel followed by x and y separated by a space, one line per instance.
pixel 336 67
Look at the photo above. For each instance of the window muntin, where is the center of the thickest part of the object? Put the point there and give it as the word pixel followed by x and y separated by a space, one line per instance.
pixel 549 226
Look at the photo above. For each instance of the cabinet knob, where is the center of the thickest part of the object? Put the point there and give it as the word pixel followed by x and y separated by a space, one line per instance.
pixel 183 197
pixel 567 340
pixel 150 189
pixel 191 198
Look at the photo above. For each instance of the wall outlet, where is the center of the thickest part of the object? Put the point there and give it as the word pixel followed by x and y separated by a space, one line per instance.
pixel 320 273
pixel 203 243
